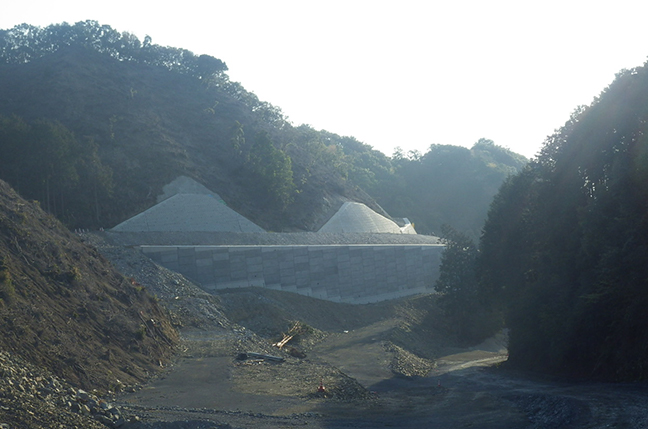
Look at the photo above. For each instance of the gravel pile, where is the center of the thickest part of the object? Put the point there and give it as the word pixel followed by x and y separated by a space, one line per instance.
pixel 407 364
pixel 189 305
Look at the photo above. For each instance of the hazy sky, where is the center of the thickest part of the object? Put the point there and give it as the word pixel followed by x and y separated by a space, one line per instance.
pixel 406 73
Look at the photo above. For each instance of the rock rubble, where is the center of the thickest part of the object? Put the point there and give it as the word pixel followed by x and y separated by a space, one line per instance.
pixel 30 397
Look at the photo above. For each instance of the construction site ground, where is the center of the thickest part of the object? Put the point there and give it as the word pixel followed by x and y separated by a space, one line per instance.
pixel 368 381
pixel 389 364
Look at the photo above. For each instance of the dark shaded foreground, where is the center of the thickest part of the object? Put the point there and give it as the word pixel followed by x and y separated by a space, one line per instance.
pixel 467 389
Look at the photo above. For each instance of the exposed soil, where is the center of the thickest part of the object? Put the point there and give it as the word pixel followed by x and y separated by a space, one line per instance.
pixel 64 307
pixel 208 388
pixel 391 364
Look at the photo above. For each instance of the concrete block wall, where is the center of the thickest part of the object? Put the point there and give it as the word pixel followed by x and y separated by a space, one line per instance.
pixel 343 273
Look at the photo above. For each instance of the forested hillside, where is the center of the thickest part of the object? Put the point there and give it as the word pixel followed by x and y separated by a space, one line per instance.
pixel 448 185
pixel 94 122
pixel 564 253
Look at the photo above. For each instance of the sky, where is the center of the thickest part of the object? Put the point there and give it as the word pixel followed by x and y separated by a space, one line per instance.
pixel 406 73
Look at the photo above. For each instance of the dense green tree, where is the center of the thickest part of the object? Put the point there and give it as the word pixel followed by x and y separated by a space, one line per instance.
pixel 44 161
pixel 457 284
pixel 564 253
pixel 271 171
pixel 39 157
pixel 207 66
pixel 163 111
pixel 24 43
pixel 237 138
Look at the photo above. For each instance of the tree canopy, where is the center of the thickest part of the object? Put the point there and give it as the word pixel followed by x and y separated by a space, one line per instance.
pixel 160 112
pixel 447 185
pixel 564 253
pixel 45 161
pixel 459 289
pixel 24 43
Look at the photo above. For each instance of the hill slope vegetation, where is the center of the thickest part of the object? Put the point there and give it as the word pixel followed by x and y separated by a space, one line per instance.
pixel 95 122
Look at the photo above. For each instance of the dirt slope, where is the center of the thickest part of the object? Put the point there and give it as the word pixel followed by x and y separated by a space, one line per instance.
pixel 63 306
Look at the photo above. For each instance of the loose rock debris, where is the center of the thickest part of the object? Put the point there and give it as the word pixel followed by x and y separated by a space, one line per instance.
pixel 35 398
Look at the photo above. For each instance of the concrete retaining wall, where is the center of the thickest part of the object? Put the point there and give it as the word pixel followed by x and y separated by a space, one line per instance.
pixel 342 273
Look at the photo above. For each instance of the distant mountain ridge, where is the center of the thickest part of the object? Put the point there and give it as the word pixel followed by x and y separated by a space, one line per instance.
pixel 120 118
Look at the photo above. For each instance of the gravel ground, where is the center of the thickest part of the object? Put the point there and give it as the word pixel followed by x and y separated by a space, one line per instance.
pixel 219 327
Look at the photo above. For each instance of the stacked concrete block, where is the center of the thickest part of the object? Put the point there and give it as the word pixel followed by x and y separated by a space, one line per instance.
pixel 205 265
pixel 342 273
pixel 271 268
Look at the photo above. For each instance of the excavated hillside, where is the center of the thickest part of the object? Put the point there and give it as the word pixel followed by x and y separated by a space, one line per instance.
pixel 66 309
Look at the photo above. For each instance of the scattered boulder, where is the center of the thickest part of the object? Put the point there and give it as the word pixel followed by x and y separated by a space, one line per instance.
pixel 34 398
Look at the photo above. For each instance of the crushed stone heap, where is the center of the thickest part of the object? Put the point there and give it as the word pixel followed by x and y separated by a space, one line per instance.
pixel 358 218
pixel 187 206
pixel 189 213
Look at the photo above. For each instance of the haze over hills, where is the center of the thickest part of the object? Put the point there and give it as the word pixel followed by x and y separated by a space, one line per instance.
pixel 140 115
pixel 94 123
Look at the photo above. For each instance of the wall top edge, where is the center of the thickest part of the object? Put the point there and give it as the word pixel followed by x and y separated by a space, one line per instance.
pixel 251 246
